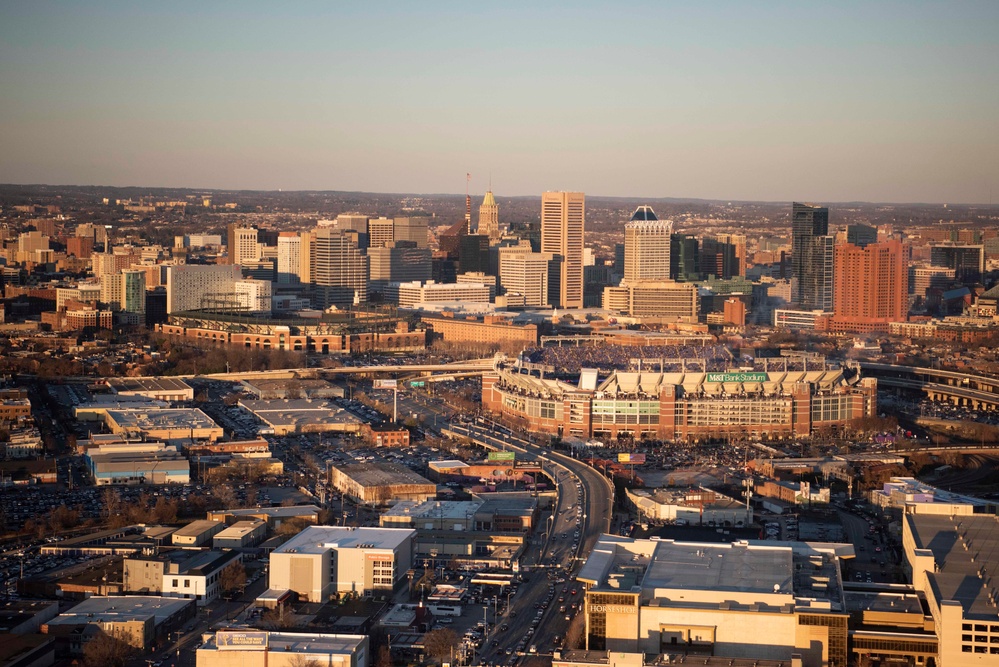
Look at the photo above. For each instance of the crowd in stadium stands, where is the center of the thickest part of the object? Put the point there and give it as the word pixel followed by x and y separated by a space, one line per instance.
pixel 570 359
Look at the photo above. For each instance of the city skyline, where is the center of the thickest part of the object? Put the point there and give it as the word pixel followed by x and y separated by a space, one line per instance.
pixel 888 102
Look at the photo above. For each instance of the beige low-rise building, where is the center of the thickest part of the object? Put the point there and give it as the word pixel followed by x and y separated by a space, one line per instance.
pixel 690 505
pixel 253 648
pixel 953 561
pixel 750 600
pixel 197 533
pixel 322 561
pixel 381 483
pixel 240 535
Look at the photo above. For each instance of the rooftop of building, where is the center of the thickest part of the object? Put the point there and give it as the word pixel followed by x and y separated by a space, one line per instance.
pixel 119 609
pixel 239 529
pixel 447 465
pixel 275 512
pixel 317 539
pixel 927 493
pixel 292 642
pixel 270 384
pixel 690 496
pixel 299 411
pixel 435 509
pixel 509 504
pixel 121 385
pixel 15 612
pixel 16 646
pixel 966 555
pixel 196 528
pixel 171 418
pixel 204 563
pixel 644 213
pixel 606 659
pixel 382 474
pixel 876 601
pixel 775 574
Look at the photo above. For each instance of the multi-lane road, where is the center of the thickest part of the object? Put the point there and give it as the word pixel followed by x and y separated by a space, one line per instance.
pixel 580 514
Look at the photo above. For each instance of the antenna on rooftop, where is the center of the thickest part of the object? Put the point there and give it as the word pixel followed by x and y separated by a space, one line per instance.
pixel 468 200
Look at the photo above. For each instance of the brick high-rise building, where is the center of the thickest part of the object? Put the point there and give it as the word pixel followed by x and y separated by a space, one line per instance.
pixel 563 219
pixel 872 286
pixel 80 246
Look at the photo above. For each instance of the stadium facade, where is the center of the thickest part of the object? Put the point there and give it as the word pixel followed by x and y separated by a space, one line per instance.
pixel 683 405
pixel 331 333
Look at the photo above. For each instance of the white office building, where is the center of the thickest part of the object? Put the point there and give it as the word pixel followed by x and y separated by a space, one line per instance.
pixel 322 561
pixel 196 286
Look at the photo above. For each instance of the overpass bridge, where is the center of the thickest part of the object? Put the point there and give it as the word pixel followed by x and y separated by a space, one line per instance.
pixel 977 392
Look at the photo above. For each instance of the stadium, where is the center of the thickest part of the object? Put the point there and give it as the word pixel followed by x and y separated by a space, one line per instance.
pixel 676 392
pixel 340 332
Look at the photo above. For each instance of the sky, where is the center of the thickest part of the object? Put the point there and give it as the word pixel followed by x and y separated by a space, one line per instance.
pixel 819 101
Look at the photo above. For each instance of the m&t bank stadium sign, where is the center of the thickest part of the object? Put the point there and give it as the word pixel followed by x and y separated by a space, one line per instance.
pixel 737 377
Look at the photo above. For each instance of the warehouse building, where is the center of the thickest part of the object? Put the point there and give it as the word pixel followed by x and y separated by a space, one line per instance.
pixel 303 415
pixel 274 516
pixel 381 483
pixel 160 389
pixel 137 463
pixel 197 533
pixel 185 424
pixel 241 535
pixel 323 561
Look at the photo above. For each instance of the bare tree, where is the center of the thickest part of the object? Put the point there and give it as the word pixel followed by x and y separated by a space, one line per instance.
pixel 439 644
pixel 111 501
pixel 384 658
pixel 301 660
pixel 108 649
pixel 574 635
pixel 165 510
pixel 293 526
pixel 278 618
pixel 232 579
pixel 225 496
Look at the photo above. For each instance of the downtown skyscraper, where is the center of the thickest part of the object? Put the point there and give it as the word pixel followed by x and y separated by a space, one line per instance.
pixel 811 257
pixel 563 218
pixel 646 246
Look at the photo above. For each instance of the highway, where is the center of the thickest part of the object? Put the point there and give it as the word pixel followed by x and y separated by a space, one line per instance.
pixel 583 505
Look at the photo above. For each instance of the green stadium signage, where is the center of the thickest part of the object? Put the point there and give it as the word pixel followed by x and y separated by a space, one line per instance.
pixel 737 377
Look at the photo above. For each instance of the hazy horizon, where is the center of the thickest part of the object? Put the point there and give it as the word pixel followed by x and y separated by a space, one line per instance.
pixel 883 102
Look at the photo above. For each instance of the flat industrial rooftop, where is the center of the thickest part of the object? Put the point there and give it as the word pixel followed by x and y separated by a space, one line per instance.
pixel 720 567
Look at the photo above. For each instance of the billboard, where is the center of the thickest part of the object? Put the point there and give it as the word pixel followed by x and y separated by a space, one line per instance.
pixel 502 456
pixel 638 459
pixel 385 384
pixel 737 377
pixel 241 641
